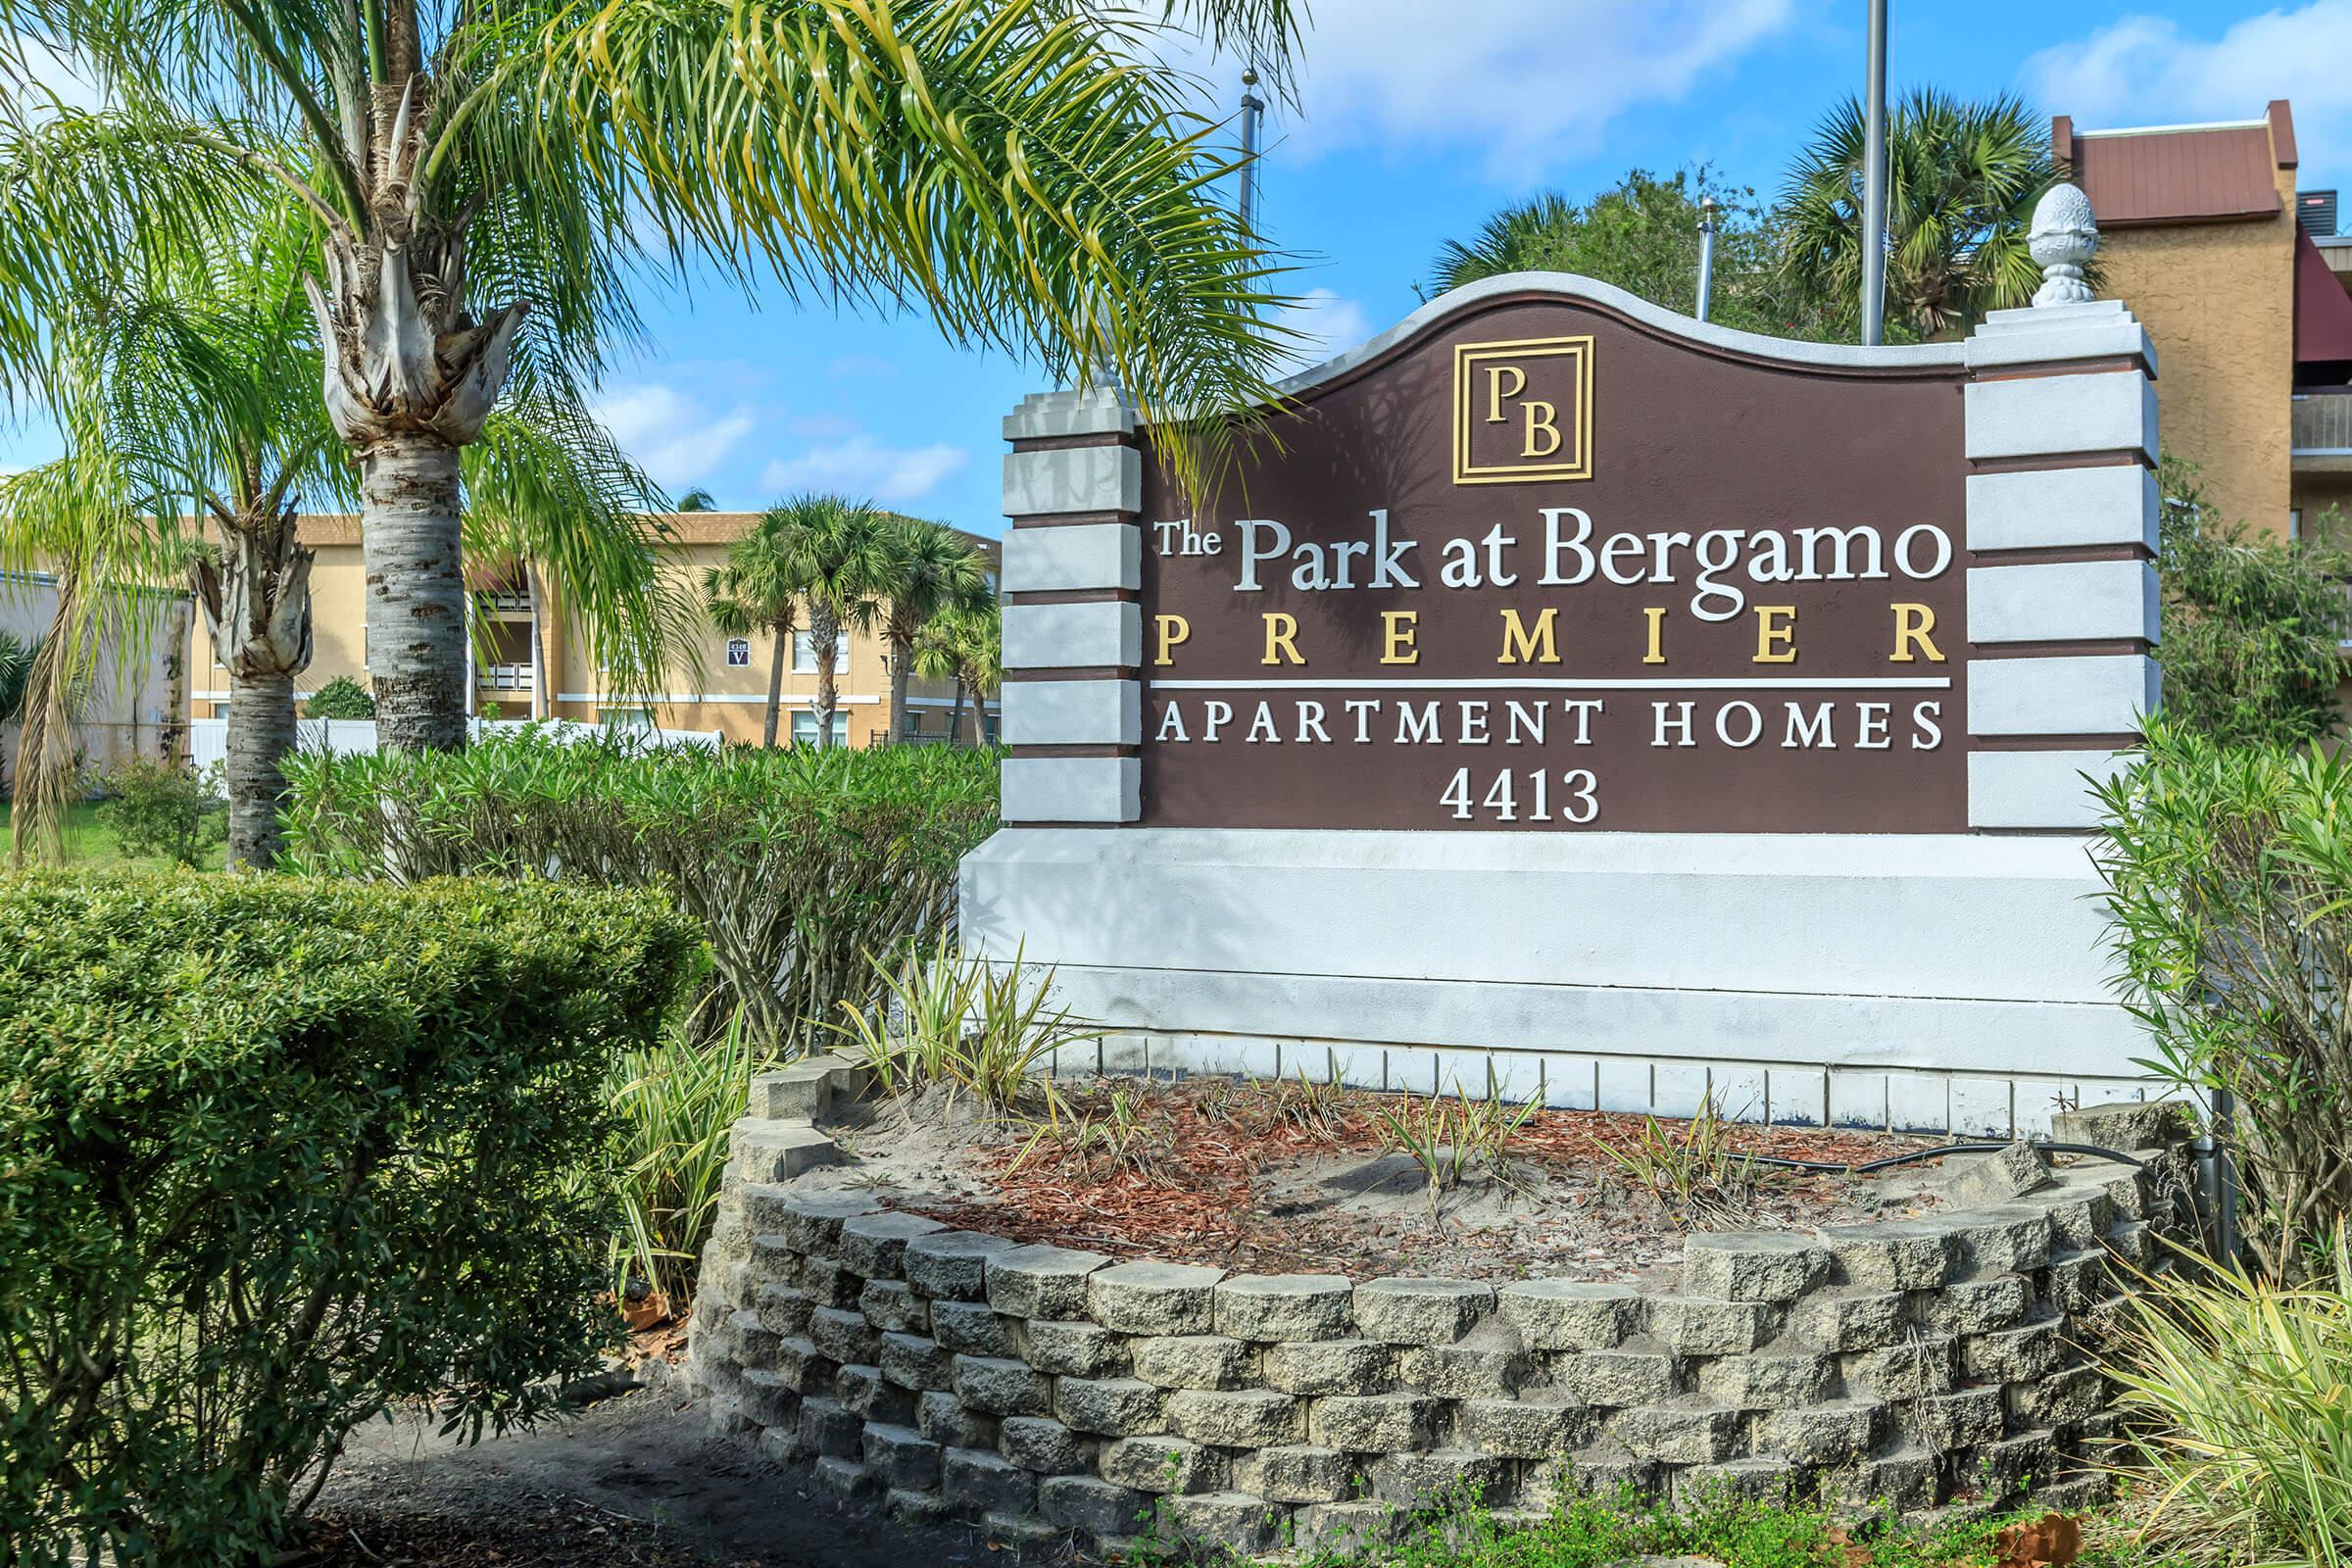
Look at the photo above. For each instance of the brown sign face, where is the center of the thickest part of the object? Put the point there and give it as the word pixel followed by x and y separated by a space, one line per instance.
pixel 1549 568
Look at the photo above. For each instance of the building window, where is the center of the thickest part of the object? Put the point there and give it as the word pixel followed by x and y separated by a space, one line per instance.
pixel 628 721
pixel 988 728
pixel 804 655
pixel 739 653
pixel 912 723
pixel 804 728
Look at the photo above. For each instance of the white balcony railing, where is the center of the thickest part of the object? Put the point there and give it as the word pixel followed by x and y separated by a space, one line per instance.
pixel 2323 424
pixel 507 678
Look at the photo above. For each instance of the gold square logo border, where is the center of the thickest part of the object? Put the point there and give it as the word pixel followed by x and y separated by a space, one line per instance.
pixel 1468 355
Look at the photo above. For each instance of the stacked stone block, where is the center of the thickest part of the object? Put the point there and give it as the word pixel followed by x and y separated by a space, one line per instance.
pixel 1041 1392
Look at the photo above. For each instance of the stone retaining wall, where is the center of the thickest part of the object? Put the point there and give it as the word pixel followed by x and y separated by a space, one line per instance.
pixel 1045 1391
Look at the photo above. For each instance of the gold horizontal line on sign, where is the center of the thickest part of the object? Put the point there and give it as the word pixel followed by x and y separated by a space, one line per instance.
pixel 1727 683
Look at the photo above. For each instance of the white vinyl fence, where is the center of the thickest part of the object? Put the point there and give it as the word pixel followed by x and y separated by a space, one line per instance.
pixel 207 738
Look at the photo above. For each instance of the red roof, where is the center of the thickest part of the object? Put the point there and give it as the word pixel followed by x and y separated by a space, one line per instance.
pixel 2180 173
pixel 2323 309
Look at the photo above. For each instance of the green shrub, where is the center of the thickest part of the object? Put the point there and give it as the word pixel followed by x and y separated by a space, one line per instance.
pixel 2252 627
pixel 2240 1389
pixel 2229 874
pixel 275 1153
pixel 340 698
pixel 799 863
pixel 164 810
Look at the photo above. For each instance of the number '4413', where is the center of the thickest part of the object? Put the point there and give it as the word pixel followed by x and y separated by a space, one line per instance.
pixel 1532 796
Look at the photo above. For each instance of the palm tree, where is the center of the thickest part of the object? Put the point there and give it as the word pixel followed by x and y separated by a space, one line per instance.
pixel 933 569
pixel 844 551
pixel 966 647
pixel 1024 169
pixel 758 588
pixel 1961 182
pixel 198 401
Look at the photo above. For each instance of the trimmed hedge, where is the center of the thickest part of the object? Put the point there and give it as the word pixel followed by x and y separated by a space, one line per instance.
pixel 801 864
pixel 275 1153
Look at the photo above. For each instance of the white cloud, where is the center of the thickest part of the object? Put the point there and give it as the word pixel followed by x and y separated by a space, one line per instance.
pixel 2144 69
pixel 1332 324
pixel 863 466
pixel 671 434
pixel 1518 85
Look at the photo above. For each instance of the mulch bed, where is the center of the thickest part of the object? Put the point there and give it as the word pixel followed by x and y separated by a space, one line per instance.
pixel 527 1532
pixel 1200 1177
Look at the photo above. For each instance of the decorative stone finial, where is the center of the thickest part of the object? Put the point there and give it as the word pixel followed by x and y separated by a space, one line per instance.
pixel 2062 241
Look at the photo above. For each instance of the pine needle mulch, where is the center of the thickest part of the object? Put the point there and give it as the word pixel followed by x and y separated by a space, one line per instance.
pixel 1177 1170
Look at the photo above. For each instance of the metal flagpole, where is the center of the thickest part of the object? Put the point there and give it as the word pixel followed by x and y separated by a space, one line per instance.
pixel 1251 108
pixel 1706 253
pixel 1873 185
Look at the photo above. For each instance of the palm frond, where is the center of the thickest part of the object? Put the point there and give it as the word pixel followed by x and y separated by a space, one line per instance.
pixel 548 484
pixel 1962 181
pixel 1005 166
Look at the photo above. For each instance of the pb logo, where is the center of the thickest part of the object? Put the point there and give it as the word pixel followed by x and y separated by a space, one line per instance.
pixel 1523 411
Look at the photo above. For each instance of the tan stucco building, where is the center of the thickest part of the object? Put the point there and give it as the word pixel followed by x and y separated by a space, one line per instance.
pixel 136 696
pixel 2198 234
pixel 531 661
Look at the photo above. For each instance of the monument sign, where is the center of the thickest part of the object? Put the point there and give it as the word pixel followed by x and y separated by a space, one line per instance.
pixel 1623 708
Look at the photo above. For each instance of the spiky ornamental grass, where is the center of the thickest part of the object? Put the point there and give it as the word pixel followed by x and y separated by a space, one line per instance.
pixel 2242 1395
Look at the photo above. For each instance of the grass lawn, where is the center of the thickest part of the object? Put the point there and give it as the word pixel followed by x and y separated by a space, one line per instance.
pixel 90 842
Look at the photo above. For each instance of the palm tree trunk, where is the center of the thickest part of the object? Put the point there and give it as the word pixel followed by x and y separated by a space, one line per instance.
pixel 45 769
pixel 775 682
pixel 824 640
pixel 260 732
pixel 409 532
pixel 257 607
pixel 956 715
pixel 902 654
pixel 174 743
pixel 543 697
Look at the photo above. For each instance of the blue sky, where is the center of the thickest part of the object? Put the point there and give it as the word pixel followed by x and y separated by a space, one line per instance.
pixel 1416 119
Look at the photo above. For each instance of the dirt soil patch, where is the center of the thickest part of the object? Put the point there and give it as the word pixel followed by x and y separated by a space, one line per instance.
pixel 639 1480
pixel 1291 1178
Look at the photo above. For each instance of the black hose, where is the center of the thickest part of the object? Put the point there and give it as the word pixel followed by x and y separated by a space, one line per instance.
pixel 1913 1156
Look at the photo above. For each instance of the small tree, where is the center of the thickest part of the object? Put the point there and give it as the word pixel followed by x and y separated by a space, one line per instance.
pixel 165 810
pixel 2253 629
pixel 340 698
pixel 1642 234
